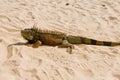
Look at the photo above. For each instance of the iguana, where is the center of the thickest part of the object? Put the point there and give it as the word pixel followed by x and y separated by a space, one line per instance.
pixel 37 37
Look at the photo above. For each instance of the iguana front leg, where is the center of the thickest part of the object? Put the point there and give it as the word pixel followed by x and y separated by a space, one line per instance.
pixel 37 44
pixel 34 45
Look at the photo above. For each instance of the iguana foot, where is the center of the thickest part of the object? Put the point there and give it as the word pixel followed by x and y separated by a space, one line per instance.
pixel 69 50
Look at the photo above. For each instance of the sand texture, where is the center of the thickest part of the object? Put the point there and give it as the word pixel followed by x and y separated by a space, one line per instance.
pixel 96 19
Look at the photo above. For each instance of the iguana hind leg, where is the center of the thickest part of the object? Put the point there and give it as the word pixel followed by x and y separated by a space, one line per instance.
pixel 67 45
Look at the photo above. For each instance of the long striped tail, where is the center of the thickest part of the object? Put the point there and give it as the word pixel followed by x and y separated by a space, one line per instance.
pixel 83 40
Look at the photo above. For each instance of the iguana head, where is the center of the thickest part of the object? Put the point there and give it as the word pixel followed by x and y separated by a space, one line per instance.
pixel 30 34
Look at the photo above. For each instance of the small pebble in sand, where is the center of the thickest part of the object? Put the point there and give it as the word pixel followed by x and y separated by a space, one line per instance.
pixel 67 4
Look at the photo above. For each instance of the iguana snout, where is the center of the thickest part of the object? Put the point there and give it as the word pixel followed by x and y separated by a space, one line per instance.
pixel 27 34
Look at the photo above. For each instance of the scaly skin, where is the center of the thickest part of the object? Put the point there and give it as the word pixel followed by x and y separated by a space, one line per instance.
pixel 37 37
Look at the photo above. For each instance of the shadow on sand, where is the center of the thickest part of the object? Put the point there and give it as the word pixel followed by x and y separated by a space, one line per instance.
pixel 19 43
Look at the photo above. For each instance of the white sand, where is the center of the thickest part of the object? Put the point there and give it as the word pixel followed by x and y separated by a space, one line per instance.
pixel 97 19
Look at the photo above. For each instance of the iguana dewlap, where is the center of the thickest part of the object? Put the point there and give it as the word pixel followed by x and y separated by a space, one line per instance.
pixel 37 37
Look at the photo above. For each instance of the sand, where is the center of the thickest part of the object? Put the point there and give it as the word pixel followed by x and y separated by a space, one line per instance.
pixel 96 19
